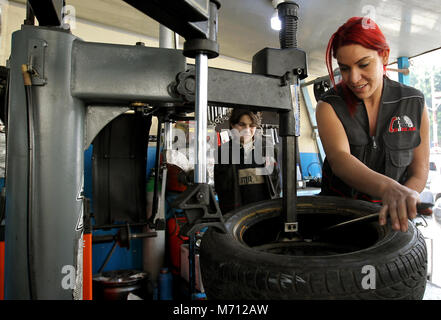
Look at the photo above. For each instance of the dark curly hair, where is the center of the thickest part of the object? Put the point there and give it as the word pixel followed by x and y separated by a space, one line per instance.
pixel 238 113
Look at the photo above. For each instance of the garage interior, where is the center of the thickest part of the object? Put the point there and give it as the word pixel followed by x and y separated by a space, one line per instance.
pixel 112 197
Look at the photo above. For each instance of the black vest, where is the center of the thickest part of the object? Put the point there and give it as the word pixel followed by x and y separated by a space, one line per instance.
pixel 390 151
pixel 231 181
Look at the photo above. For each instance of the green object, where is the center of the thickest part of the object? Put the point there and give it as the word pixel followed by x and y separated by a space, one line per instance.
pixel 151 184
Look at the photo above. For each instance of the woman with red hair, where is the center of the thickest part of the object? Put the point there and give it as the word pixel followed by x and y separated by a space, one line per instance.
pixel 375 131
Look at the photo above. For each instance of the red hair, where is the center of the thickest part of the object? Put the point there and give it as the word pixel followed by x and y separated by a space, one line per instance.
pixel 357 30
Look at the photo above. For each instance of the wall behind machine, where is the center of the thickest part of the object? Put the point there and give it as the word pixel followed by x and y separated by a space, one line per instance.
pixel 13 14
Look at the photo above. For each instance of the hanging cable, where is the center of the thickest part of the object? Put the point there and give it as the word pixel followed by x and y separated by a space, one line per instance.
pixel 30 180
pixel 109 255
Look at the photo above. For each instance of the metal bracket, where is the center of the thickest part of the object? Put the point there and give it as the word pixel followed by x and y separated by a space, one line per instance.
pixel 201 209
pixel 291 226
pixel 36 59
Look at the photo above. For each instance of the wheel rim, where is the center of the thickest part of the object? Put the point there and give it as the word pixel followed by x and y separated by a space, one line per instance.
pixel 263 234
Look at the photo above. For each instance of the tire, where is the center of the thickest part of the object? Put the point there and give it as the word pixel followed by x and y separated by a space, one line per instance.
pixel 248 262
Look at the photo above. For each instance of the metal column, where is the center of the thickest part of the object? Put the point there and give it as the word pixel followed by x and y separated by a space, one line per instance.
pixel 200 143
pixel 56 230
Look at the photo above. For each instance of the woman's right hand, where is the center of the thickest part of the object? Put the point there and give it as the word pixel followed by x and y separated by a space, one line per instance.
pixel 399 202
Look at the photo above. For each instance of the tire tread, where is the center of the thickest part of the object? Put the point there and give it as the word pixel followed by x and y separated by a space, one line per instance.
pixel 400 276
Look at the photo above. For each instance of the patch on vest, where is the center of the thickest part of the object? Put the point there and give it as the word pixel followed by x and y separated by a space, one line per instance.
pixel 401 124
pixel 249 176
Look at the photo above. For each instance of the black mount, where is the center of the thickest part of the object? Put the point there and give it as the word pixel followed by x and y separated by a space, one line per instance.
pixel 201 209
pixel 290 65
pixel 207 45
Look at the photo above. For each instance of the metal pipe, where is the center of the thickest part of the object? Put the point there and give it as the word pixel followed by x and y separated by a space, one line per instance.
pixel 200 143
pixel 112 237
pixel 143 235
pixel 166 38
pixel 176 39
pixel 168 135
pixel 163 188
pixel 112 226
pixel 209 116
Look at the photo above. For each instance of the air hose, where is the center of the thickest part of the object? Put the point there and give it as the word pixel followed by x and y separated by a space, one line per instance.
pixel 30 179
pixel 288 17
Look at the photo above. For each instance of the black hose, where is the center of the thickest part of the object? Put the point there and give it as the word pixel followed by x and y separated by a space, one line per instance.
pixel 287 36
pixel 288 17
pixel 30 181
pixel 109 255
pixel 155 206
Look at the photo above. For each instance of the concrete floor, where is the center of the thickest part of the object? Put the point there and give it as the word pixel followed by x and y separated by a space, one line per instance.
pixel 432 234
pixel 433 292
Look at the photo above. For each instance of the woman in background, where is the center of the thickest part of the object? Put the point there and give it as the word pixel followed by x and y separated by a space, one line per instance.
pixel 245 173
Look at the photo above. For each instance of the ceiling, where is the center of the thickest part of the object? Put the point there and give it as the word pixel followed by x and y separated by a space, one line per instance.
pixel 411 27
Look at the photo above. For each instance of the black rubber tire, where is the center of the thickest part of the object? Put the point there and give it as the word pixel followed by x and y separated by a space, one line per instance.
pixel 233 269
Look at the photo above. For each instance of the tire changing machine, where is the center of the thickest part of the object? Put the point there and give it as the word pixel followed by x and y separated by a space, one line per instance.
pixel 63 91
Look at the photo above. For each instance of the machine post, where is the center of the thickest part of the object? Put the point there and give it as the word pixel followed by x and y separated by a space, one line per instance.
pixel 200 143
pixel 290 121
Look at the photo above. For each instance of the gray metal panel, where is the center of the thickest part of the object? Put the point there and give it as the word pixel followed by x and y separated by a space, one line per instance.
pixel 16 164
pixel 230 88
pixel 97 117
pixel 59 123
pixel 108 73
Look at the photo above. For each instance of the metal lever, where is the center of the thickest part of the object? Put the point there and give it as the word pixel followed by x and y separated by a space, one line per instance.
pixel 423 208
